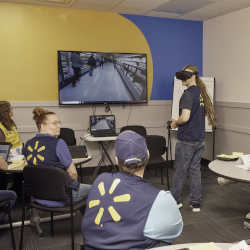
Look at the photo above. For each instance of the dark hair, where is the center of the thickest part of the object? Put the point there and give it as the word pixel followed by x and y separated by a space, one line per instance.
pixel 5 118
pixel 209 109
pixel 40 115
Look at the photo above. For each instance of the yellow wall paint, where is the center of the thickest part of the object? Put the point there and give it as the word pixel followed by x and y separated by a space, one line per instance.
pixel 31 35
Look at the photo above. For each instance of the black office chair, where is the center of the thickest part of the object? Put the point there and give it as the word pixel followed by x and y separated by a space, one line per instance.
pixel 5 206
pixel 68 135
pixel 157 148
pixel 139 129
pixel 48 183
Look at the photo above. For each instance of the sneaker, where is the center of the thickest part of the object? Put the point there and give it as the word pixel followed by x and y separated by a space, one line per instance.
pixel 196 207
pixel 223 181
pixel 246 225
pixel 248 216
pixel 180 205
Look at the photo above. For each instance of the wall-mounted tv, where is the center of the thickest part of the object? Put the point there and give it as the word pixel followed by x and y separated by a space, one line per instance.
pixel 101 77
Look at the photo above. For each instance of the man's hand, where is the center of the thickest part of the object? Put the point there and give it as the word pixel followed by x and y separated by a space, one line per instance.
pixel 72 171
pixel 173 124
pixel 3 163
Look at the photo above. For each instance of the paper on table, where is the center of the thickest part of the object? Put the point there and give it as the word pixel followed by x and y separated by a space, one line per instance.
pixel 17 165
pixel 242 245
pixel 205 246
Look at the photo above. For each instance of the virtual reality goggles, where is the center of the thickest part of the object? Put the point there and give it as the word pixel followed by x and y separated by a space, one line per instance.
pixel 184 75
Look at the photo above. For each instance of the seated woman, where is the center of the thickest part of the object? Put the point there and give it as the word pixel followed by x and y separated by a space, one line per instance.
pixel 9 133
pixel 6 194
pixel 126 212
pixel 8 129
pixel 45 149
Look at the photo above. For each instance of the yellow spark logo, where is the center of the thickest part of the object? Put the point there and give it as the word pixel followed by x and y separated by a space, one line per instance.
pixel 112 211
pixel 34 152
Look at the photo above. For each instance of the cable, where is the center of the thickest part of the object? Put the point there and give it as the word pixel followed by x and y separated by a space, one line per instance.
pixel 169 144
pixel 93 109
pixel 129 114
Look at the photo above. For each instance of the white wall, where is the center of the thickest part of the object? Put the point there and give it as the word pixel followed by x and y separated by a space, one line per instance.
pixel 153 116
pixel 226 55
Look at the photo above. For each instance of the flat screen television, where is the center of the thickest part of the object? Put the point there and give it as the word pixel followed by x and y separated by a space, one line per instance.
pixel 101 77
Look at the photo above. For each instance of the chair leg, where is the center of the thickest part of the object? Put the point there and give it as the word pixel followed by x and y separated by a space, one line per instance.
pixel 168 183
pixel 22 228
pixel 162 181
pixel 11 229
pixel 81 179
pixel 52 224
pixel 72 223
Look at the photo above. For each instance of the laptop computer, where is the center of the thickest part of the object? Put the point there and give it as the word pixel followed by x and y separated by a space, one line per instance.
pixel 102 125
pixel 78 151
pixel 5 150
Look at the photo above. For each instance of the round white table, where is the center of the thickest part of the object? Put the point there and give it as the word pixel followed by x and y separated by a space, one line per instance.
pixel 222 246
pixel 229 170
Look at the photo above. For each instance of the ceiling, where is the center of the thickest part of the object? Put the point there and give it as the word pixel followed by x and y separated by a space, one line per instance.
pixel 180 9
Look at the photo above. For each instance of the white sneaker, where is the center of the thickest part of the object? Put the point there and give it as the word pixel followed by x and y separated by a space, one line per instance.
pixel 246 225
pixel 248 216
pixel 196 208
pixel 180 205
pixel 223 181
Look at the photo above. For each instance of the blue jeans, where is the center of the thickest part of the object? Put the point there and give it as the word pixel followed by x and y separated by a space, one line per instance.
pixel 187 162
pixel 81 193
pixel 7 195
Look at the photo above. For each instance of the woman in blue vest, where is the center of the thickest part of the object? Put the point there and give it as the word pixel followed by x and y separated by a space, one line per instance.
pixel 124 211
pixel 45 149
pixel 194 105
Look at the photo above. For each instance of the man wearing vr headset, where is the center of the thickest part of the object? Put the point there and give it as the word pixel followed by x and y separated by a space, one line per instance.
pixel 193 106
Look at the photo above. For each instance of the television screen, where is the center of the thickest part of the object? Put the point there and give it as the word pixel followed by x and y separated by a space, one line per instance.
pixel 100 77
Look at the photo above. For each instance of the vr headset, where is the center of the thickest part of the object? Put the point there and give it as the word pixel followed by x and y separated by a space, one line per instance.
pixel 184 75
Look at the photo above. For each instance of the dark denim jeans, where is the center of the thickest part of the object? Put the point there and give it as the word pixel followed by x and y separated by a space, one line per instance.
pixel 187 162
pixel 7 195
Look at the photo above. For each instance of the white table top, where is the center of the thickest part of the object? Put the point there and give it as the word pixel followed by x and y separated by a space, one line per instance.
pixel 89 137
pixel 222 246
pixel 81 160
pixel 228 170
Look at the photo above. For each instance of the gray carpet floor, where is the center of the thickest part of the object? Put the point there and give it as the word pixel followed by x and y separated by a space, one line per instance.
pixel 220 220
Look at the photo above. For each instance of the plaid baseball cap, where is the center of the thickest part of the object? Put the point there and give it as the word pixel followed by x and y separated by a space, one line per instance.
pixel 131 148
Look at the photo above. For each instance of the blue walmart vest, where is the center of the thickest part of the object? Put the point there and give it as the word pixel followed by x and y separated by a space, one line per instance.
pixel 117 210
pixel 42 151
pixel 194 129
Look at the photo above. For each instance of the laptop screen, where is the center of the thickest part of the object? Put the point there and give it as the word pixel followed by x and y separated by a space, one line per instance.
pixel 102 122
pixel 4 150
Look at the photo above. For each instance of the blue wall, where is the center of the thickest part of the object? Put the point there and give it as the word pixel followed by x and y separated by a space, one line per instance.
pixel 173 44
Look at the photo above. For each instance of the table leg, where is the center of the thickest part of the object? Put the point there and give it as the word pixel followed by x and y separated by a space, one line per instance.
pixel 104 153
pixel 107 154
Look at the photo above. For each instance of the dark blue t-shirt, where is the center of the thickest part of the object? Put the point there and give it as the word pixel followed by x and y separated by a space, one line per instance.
pixel 194 129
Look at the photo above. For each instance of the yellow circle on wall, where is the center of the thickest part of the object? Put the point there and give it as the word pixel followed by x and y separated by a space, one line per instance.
pixel 32 35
